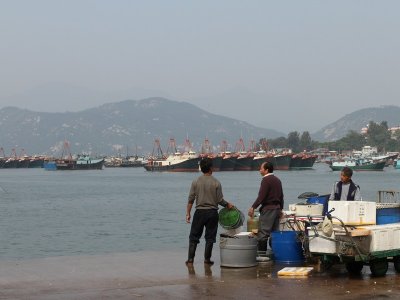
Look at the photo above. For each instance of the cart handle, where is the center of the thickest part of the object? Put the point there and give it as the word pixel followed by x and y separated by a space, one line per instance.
pixel 328 213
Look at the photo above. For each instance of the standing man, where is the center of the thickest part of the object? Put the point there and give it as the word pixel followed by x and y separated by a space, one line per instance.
pixel 270 197
pixel 206 190
pixel 345 189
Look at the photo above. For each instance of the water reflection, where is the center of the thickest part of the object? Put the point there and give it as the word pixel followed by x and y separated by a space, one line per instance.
pixel 262 270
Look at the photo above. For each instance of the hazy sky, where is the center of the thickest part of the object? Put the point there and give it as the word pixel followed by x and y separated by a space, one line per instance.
pixel 285 65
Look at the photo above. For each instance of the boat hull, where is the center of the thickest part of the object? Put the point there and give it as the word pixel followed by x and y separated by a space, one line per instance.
pixel 244 163
pixel 216 161
pixel 228 163
pixel 257 162
pixel 10 164
pixel 131 165
pixel 189 165
pixel 282 162
pixel 90 165
pixel 96 164
pixel 36 163
pixel 368 167
pixel 299 163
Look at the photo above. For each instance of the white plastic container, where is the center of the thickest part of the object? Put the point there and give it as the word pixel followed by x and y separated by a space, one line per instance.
pixel 239 251
pixel 301 209
pixel 396 237
pixel 353 212
pixel 321 245
pixel 384 237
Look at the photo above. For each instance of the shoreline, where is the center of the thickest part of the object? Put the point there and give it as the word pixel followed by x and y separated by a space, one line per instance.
pixel 164 275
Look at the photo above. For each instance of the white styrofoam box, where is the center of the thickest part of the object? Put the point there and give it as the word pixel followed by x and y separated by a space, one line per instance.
pixel 319 244
pixel 353 212
pixel 396 238
pixel 384 237
pixel 301 209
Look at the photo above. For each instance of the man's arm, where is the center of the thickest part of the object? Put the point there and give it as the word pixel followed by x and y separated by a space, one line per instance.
pixel 357 196
pixel 188 210
pixel 332 196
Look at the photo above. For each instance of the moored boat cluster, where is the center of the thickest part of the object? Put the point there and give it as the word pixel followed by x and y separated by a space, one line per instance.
pixel 239 160
pixel 22 162
pixel 65 162
pixel 365 160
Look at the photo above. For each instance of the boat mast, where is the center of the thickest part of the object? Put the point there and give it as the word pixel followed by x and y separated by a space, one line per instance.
pixel 157 151
pixel 206 147
pixel 240 147
pixel 224 146
pixel 66 151
pixel 172 146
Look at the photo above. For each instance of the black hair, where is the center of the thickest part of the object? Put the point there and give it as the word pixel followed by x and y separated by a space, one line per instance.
pixel 205 164
pixel 268 166
pixel 347 172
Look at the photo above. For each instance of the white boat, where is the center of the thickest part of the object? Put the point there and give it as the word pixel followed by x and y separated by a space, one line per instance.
pixel 177 162
pixel 187 161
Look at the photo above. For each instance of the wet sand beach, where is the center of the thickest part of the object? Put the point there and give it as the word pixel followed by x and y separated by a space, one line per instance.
pixel 163 275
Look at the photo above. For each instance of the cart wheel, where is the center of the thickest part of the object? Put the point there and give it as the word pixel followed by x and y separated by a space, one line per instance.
pixel 396 263
pixel 326 265
pixel 354 267
pixel 378 267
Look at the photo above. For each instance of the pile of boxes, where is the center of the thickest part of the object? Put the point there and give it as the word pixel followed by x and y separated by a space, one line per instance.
pixel 360 220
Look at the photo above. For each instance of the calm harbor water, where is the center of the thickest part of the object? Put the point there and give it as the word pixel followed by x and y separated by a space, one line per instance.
pixel 57 213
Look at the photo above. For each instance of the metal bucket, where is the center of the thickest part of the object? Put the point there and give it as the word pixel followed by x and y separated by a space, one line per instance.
pixel 239 251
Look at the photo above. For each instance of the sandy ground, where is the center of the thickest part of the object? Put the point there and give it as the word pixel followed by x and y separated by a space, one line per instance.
pixel 163 275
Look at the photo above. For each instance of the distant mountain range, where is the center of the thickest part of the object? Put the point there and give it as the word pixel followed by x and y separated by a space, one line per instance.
pixel 131 126
pixel 357 120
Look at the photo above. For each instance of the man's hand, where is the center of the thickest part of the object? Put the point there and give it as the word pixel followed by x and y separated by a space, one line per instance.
pixel 230 205
pixel 251 212
pixel 187 217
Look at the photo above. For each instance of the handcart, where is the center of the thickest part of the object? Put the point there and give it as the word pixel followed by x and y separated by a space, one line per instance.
pixel 350 246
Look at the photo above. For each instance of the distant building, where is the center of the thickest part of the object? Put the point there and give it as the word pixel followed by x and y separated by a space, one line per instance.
pixel 392 130
pixel 364 130
pixel 324 155
pixel 366 151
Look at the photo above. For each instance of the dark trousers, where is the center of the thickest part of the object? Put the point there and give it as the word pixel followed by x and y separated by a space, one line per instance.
pixel 269 221
pixel 207 218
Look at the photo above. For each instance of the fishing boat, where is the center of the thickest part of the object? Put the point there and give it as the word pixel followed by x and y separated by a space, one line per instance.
pixel 259 158
pixel 187 161
pixel 81 163
pixel 302 161
pixel 10 162
pixel 282 161
pixel 396 164
pixel 67 162
pixel 358 164
pixel 244 159
pixel 207 151
pixel 36 162
pixel 228 158
pixel 216 160
pixel 133 162
pixel 177 162
pixel 86 162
